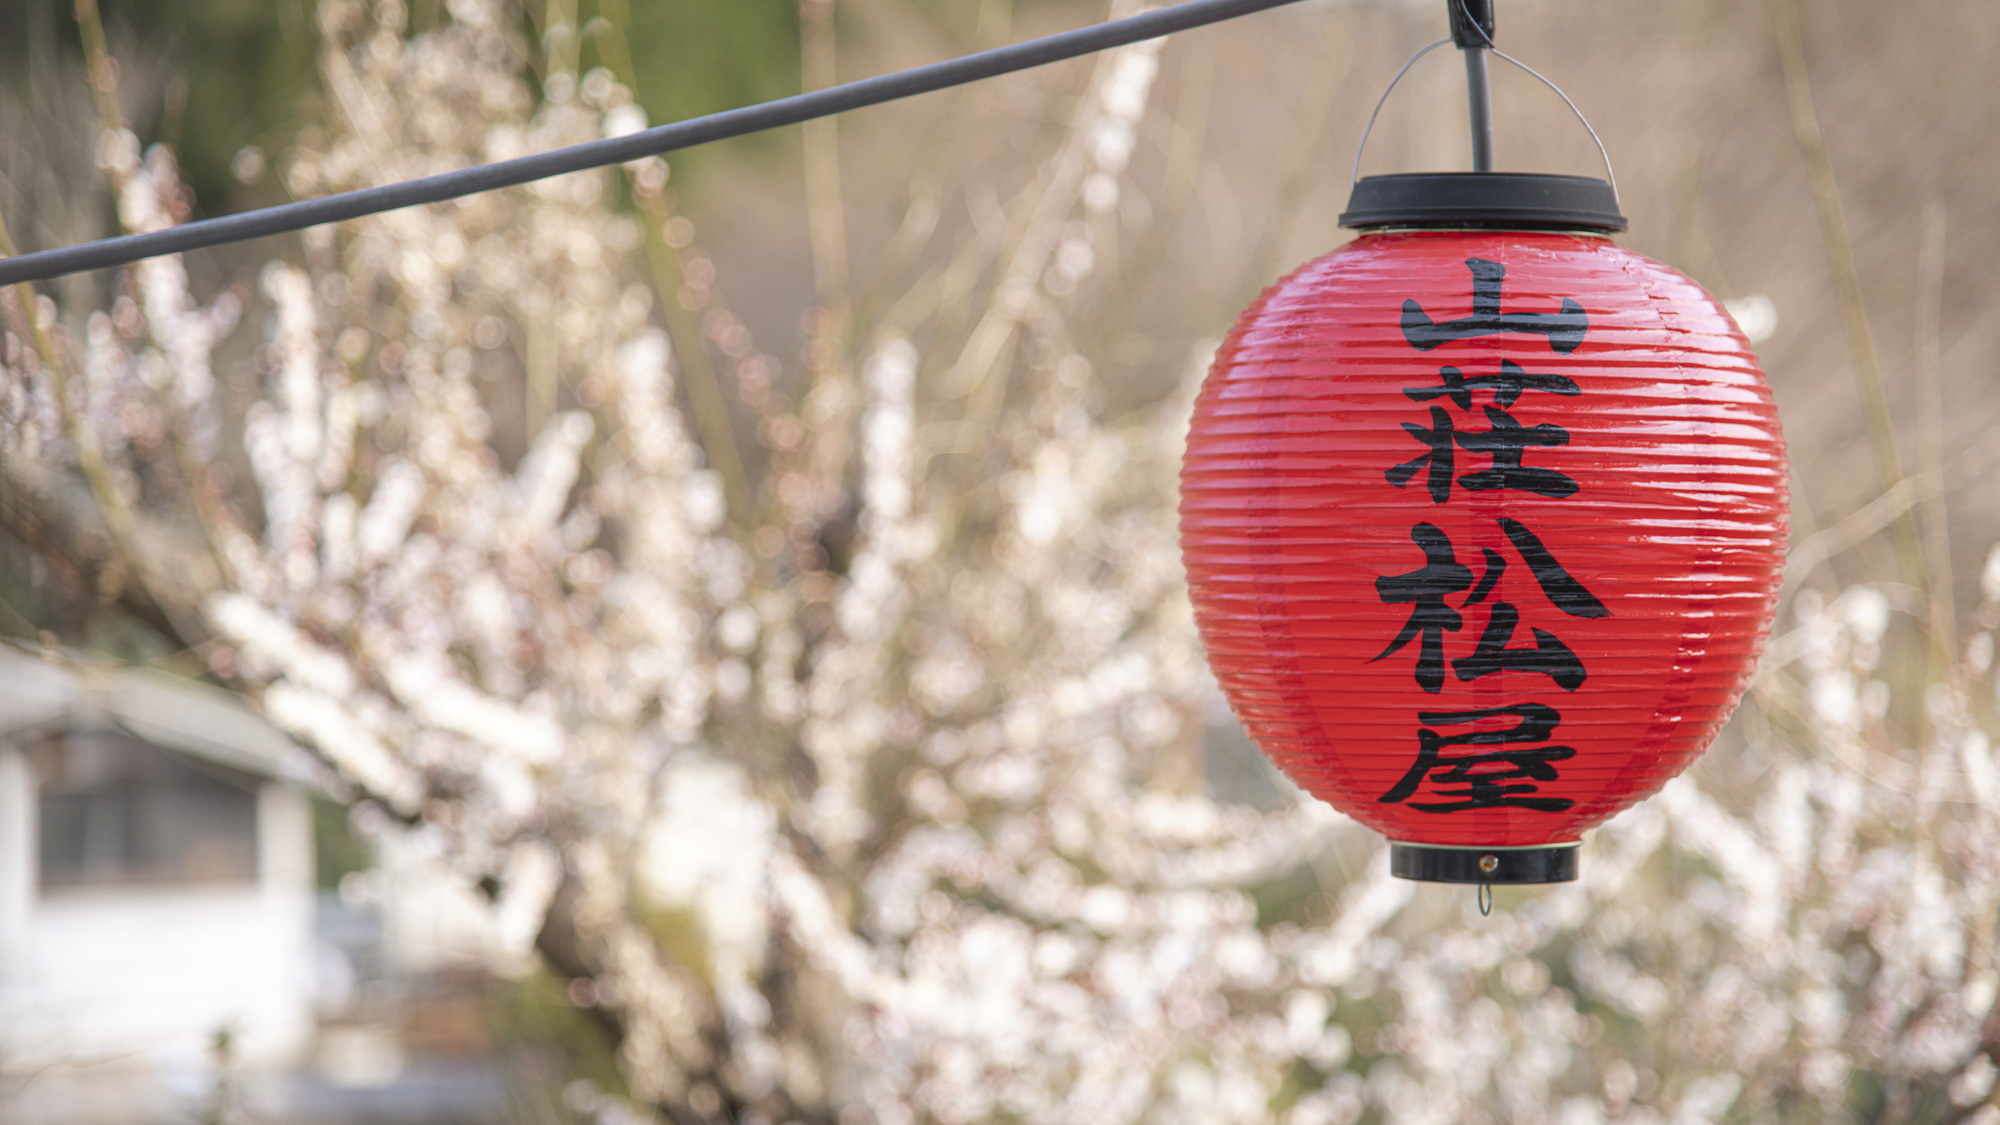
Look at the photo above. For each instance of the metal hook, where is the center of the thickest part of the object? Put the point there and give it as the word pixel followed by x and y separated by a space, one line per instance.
pixel 1485 899
pixel 1606 156
pixel 1354 174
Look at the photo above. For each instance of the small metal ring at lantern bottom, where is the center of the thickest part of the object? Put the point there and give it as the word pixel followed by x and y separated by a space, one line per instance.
pixel 1441 863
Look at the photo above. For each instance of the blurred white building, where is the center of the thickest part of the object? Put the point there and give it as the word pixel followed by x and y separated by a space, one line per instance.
pixel 156 888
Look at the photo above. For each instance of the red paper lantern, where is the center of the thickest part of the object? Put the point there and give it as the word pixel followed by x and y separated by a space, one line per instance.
pixel 1483 518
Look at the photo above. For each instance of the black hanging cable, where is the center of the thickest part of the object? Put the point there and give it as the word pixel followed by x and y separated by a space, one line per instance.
pixel 287 217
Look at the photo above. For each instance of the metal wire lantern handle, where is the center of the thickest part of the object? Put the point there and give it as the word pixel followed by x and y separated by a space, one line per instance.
pixel 1354 175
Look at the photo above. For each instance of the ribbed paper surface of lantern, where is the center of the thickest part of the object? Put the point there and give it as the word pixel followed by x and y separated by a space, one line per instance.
pixel 1483 529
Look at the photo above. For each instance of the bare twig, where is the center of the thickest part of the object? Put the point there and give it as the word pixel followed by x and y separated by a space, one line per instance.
pixel 825 216
pixel 97 61
pixel 58 520
pixel 89 458
pixel 1930 446
pixel 1313 129
pixel 829 399
pixel 1177 187
pixel 697 371
pixel 212 510
pixel 979 372
pixel 1883 511
pixel 1846 281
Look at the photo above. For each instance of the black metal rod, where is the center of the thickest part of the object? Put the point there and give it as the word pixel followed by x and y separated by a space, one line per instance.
pixel 651 142
pixel 1472 32
pixel 1480 104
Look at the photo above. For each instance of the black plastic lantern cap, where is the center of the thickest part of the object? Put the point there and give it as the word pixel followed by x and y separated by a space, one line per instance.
pixel 1483 201
pixel 1436 863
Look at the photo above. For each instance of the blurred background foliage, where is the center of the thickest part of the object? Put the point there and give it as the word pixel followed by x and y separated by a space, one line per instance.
pixel 231 74
pixel 1238 174
pixel 1690 97
pixel 218 75
pixel 1245 154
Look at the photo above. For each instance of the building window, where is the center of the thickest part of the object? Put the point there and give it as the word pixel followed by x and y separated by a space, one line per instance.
pixel 114 809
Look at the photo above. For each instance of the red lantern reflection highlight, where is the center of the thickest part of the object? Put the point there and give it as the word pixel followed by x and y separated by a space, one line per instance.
pixel 1483 529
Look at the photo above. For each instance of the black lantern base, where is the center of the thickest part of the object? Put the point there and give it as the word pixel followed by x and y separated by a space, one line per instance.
pixel 1435 863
